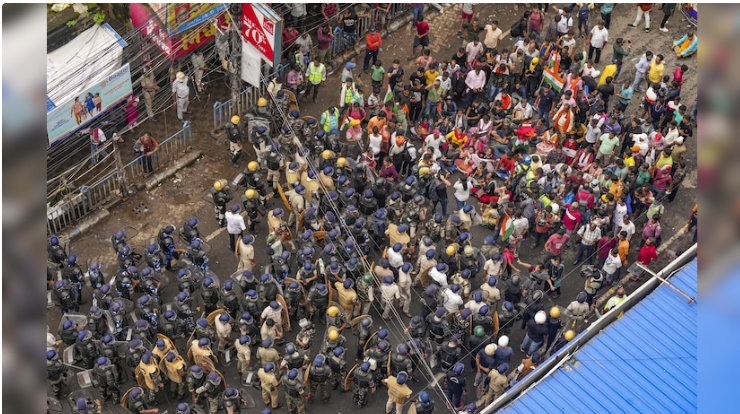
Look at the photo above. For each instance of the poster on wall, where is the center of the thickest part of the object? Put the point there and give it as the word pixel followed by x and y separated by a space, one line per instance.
pixel 83 109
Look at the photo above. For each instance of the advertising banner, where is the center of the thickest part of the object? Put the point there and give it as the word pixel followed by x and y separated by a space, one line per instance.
pixel 185 16
pixel 258 31
pixel 99 98
pixel 177 46
pixel 251 64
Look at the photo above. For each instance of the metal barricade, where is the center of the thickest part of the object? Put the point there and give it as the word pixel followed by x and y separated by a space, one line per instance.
pixel 83 202
pixel 242 102
pixel 169 150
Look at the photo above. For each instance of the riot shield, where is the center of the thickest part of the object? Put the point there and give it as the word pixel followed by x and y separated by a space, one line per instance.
pixel 84 378
pixel 109 322
pixel 53 405
pixel 73 396
pixel 348 378
pixel 284 313
pixel 355 323
pixel 79 319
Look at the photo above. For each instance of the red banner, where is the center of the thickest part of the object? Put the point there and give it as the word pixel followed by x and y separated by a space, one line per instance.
pixel 179 45
pixel 258 31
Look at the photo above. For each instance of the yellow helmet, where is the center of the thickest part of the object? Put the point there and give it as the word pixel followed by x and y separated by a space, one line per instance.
pixel 327 154
pixel 261 102
pixel 250 193
pixel 332 311
pixel 235 119
pixel 569 335
pixel 218 185
pixel 555 312
pixel 341 162
pixel 253 166
pixel 468 250
pixel 423 171
pixel 450 250
pixel 333 335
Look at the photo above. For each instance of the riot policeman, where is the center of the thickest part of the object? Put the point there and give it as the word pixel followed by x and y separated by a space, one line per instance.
pixel 251 206
pixel 275 164
pixel 56 252
pixel 229 298
pixel 400 361
pixel 197 255
pixel 211 390
pixel 105 378
pixel 260 142
pixel 56 372
pixel 338 365
pixel 88 351
pixel 364 383
pixel 294 393
pixel 318 376
pixel 235 140
pixel 190 230
pixel 96 322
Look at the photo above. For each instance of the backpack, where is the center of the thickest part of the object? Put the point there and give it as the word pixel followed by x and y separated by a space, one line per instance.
pixel 516 29
pixel 583 12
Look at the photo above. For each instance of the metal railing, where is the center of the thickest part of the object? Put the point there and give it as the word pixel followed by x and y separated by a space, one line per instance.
pixel 89 198
pixel 83 202
pixel 169 150
pixel 243 101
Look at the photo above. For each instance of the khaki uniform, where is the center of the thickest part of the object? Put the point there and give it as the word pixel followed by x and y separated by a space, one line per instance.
pixel 496 388
pixel 265 355
pixel 203 357
pixel 347 299
pixel 491 295
pixel 243 356
pixel 148 86
pixel 327 181
pixel 269 384
pixel 404 286
pixel 245 253
pixel 466 222
pixel 381 272
pixel 176 371
pixel 292 177
pixel 152 379
pixel 273 222
pixel 199 62
pixel 422 265
pixel 578 310
pixel 311 185
pixel 388 293
pixel 395 237
pixel 397 395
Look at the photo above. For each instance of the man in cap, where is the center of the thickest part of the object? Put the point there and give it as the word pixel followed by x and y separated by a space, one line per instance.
pixel 269 384
pixel 497 385
pixel 181 94
pixel 398 392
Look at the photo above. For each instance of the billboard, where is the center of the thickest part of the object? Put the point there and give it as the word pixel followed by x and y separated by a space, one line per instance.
pixel 259 30
pixel 185 16
pixel 178 45
pixel 96 100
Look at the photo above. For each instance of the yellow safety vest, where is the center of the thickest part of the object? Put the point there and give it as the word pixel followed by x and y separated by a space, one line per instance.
pixel 315 73
pixel 327 119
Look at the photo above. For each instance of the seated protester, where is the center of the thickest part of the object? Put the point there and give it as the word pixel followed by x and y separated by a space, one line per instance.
pixel 687 45
pixel 444 125
pixel 447 107
pixel 501 145
pixel 460 120
pixel 548 142
pixel 522 112
pixel 465 162
pixel 570 146
pixel 505 100
pixel 475 112
pixel 498 115
pixel 450 153
pixel 483 130
pixel 458 137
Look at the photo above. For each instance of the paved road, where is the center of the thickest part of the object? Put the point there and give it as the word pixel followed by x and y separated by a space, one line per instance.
pixel 186 195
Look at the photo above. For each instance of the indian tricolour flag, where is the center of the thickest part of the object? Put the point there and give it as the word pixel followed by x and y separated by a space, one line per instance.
pixel 388 94
pixel 551 76
pixel 507 228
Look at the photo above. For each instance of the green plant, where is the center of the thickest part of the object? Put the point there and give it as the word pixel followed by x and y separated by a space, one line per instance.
pixel 72 23
pixel 99 17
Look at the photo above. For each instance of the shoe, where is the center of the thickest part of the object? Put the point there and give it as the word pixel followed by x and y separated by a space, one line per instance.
pixel 279 406
pixel 521 349
pixel 663 29
pixel 631 25
pixel 315 100
pixel 576 262
pixel 647 30
pixel 235 165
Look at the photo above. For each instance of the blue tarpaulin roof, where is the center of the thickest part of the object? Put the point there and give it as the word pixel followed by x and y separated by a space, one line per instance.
pixel 644 362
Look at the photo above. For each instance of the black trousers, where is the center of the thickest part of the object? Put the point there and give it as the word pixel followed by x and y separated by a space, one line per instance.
pixel 591 51
pixel 232 240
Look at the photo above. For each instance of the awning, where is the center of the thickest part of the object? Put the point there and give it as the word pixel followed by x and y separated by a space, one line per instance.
pixel 83 62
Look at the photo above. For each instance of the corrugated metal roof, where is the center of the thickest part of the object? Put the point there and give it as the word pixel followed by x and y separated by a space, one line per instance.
pixel 644 362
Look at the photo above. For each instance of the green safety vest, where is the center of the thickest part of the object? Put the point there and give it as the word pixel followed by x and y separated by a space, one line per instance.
pixel 327 119
pixel 315 73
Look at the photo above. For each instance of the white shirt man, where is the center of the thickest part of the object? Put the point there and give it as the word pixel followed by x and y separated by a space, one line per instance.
pixel 434 141
pixel 599 36
pixel 565 23
pixel 627 227
pixel 593 132
pixel 612 263
pixel 451 300
pixel 234 225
